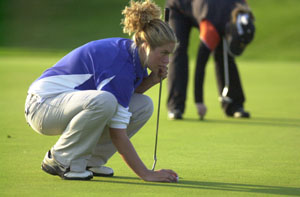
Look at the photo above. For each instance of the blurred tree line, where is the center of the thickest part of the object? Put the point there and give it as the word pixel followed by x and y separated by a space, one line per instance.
pixel 58 24
pixel 66 24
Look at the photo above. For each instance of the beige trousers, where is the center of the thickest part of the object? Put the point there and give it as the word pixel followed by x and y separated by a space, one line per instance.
pixel 81 118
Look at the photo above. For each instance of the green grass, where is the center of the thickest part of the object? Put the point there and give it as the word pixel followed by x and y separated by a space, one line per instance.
pixel 216 157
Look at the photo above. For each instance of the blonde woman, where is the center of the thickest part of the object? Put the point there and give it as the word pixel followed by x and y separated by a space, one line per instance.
pixel 93 97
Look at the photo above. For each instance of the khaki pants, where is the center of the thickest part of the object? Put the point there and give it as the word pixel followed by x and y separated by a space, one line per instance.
pixel 81 118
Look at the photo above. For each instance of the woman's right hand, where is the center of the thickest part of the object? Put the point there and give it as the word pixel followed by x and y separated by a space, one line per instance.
pixel 162 175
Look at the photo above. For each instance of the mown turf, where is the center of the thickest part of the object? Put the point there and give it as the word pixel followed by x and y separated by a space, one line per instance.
pixel 215 157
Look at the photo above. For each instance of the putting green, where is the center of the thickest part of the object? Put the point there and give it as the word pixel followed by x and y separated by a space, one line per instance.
pixel 219 156
pixel 216 157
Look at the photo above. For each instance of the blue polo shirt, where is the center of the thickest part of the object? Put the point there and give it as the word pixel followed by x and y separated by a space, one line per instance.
pixel 111 65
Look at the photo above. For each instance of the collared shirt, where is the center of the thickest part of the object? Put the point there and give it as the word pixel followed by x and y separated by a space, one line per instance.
pixel 111 65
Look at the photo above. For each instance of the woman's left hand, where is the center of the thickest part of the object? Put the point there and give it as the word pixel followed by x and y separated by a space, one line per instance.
pixel 161 74
pixel 152 79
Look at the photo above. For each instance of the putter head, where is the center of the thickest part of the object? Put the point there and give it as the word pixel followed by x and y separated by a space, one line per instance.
pixel 225 99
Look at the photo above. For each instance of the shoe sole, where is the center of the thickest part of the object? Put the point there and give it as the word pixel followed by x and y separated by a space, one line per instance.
pixel 175 118
pixel 53 171
pixel 103 175
pixel 100 174
pixel 241 115
pixel 49 169
pixel 78 178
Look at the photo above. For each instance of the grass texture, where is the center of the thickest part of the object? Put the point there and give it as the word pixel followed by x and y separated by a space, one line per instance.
pixel 216 157
pixel 219 156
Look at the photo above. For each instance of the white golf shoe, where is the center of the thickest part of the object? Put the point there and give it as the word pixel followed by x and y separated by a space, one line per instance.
pixel 86 175
pixel 175 114
pixel 51 166
pixel 101 171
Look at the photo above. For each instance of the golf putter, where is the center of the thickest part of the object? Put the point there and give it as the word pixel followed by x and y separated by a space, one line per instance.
pixel 159 98
pixel 224 97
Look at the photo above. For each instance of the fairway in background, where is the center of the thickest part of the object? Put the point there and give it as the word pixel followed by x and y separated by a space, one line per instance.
pixel 66 24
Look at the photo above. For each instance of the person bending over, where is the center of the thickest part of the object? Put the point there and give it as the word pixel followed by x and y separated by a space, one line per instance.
pixel 93 98
pixel 217 20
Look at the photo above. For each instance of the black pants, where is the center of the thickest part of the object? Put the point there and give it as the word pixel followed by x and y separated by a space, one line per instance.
pixel 178 69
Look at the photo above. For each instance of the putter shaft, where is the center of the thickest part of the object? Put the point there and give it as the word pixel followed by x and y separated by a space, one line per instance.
pixel 159 98
pixel 157 124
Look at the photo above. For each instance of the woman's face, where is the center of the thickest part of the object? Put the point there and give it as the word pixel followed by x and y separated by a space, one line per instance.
pixel 159 57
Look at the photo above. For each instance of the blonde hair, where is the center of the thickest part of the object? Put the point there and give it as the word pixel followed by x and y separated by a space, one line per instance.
pixel 142 19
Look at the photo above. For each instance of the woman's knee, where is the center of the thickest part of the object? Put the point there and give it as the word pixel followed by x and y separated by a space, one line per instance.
pixel 104 102
pixel 141 106
pixel 148 105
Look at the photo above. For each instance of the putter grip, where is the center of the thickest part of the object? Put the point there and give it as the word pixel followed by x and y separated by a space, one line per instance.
pixel 167 12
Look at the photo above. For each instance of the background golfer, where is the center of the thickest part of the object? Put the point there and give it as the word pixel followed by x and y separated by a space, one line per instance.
pixel 216 19
pixel 93 98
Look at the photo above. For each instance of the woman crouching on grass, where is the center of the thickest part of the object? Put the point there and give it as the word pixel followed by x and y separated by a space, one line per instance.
pixel 93 97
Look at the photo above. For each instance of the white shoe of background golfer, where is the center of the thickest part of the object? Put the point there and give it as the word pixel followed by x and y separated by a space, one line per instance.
pixel 201 108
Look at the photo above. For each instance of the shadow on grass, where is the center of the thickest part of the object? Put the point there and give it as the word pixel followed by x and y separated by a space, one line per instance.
pixel 264 121
pixel 186 184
